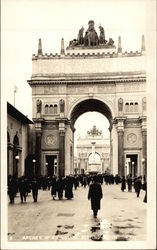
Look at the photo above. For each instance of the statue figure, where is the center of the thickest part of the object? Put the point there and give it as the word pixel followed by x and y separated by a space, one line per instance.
pixel 144 103
pixel 73 42
pixel 39 106
pixel 91 37
pixel 62 105
pixel 102 35
pixel 111 42
pixel 120 104
pixel 80 36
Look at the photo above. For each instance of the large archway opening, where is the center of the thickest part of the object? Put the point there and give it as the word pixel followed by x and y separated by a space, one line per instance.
pixel 91 120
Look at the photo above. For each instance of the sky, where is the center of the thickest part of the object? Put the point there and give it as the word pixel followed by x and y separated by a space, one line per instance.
pixel 23 22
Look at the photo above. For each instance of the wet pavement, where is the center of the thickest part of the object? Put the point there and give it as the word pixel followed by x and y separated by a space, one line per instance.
pixel 122 217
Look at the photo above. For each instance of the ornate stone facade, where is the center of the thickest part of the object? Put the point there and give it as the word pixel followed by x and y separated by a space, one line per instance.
pixel 91 75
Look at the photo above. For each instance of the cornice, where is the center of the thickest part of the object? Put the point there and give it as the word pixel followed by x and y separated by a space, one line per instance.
pixel 85 81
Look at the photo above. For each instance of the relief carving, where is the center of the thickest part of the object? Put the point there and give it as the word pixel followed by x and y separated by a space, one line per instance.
pixel 62 105
pixel 120 104
pixel 50 140
pixel 39 103
pixel 131 138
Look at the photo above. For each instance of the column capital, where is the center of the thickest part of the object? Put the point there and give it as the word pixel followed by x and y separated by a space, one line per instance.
pixel 144 131
pixel 119 121
pixel 120 132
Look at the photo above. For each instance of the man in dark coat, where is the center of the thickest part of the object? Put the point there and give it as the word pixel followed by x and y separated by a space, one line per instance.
pixel 54 187
pixel 12 189
pixel 60 187
pixel 76 182
pixel 68 188
pixel 95 194
pixel 138 185
pixel 35 189
pixel 129 181
pixel 22 188
pixel 145 188
pixel 123 184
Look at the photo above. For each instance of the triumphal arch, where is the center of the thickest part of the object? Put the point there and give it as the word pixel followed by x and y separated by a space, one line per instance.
pixel 90 75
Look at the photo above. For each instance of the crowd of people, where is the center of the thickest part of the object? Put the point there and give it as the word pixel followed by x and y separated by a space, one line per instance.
pixel 62 187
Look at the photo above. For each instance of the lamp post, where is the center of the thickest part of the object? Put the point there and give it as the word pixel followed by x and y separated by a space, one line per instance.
pixel 143 164
pixel 46 165
pixel 55 165
pixel 133 170
pixel 126 169
pixel 16 166
pixel 34 172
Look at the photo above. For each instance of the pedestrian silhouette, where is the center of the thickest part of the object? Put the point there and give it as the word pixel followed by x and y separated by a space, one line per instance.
pixel 123 184
pixel 95 195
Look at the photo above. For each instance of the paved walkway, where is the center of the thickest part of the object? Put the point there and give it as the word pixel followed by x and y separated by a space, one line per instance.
pixel 122 217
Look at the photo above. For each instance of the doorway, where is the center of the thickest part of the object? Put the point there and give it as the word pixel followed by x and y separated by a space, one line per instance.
pixel 132 160
pixel 51 164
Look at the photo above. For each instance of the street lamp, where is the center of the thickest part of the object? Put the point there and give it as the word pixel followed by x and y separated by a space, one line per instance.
pixel 16 168
pixel 46 164
pixel 133 170
pixel 126 169
pixel 34 161
pixel 143 163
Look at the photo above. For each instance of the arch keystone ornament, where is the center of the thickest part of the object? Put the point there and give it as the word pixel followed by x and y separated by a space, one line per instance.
pixel 91 74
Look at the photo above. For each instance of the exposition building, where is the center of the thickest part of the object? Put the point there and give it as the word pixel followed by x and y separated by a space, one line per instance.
pixel 93 153
pixel 90 75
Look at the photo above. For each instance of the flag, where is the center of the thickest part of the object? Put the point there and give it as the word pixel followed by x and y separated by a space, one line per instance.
pixel 15 88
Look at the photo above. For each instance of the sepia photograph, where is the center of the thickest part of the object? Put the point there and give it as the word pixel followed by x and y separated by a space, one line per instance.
pixel 78 124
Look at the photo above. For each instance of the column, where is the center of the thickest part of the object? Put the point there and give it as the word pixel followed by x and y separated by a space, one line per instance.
pixel 62 153
pixel 120 152
pixel 38 153
pixel 144 151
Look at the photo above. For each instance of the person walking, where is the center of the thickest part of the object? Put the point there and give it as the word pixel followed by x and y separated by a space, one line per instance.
pixel 12 189
pixel 53 188
pixel 35 189
pixel 68 188
pixel 60 187
pixel 123 184
pixel 76 183
pixel 129 182
pixel 144 187
pixel 95 195
pixel 84 181
pixel 138 185
pixel 22 189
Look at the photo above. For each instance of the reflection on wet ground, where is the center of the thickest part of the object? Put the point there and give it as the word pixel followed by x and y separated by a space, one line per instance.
pixel 118 220
pixel 101 229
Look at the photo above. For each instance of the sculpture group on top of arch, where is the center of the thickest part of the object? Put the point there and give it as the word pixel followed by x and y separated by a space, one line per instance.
pixel 91 37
